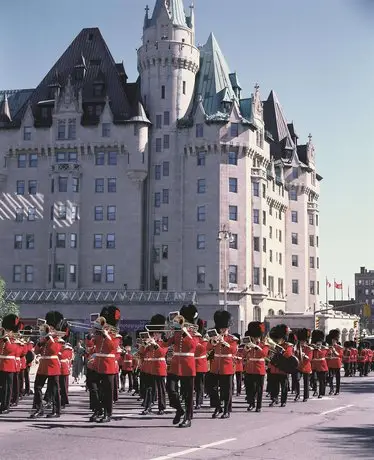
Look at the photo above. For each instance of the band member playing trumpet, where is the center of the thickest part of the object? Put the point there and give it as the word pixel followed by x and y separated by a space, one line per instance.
pixel 319 364
pixel 201 362
pixel 49 366
pixel 334 360
pixel 182 366
pixel 222 366
pixel 255 352
pixel 304 353
pixel 8 351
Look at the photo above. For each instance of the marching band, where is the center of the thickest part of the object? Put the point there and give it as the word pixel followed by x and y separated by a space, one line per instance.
pixel 174 357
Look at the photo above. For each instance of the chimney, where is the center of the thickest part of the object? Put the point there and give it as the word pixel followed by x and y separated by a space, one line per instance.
pixel 363 270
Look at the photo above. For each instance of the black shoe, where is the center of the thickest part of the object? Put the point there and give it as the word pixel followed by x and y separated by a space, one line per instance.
pixel 258 409
pixel 331 392
pixel 305 399
pixel 105 419
pixel 161 412
pixel 315 393
pixel 283 405
pixel 94 417
pixel 250 407
pixel 273 402
pixel 37 414
pixel 178 417
pixel 225 415
pixel 5 411
pixel 53 415
pixel 297 397
pixel 336 393
pixel 63 406
pixel 319 396
pixel 197 407
pixel 185 424
pixel 146 412
pixel 217 411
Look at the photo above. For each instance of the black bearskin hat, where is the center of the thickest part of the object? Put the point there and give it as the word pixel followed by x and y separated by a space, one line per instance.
pixel 64 327
pixel 112 314
pixel 54 319
pixel 237 336
pixel 347 344
pixel 127 341
pixel 10 322
pixel 280 331
pixel 292 338
pixel 28 330
pixel 303 334
pixel 189 313
pixel 318 336
pixel 353 344
pixel 329 340
pixel 334 334
pixel 201 326
pixel 256 329
pixel 222 319
pixel 157 322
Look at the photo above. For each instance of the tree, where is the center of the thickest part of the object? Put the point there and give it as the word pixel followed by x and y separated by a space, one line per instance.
pixel 6 307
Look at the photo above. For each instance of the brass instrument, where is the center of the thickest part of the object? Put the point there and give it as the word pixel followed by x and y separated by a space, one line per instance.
pixel 101 325
pixel 78 325
pixel 49 331
pixel 273 346
pixel 216 339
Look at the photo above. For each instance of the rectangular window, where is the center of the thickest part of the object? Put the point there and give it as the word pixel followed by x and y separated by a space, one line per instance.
pixel 20 187
pixel 97 273
pixel 317 241
pixel 293 195
pixel 100 159
pixel 60 273
pixel 99 185
pixel 317 262
pixel 156 255
pixel 105 130
pixel 21 160
pixel 73 240
pixel 60 157
pixel 165 168
pixel 31 214
pixel 264 217
pixel 72 157
pixel 184 87
pixel 72 128
pixel 256 276
pixel 111 213
pixel 256 188
pixel 61 128
pixel 62 184
pixel 294 216
pixel 280 286
pixel 18 241
pixel 271 284
pixel 199 130
pixel 157 200
pixel 165 224
pixel 234 129
pixel 74 212
pixel 157 172
pixel 201 186
pixel 110 241
pixel 201 159
pixel 158 121
pixel 166 118
pixel 280 258
pixel 99 213
pixel 311 262
pixel 311 219
pixel 233 184
pixel 270 232
pixel 165 251
pixel 98 241
pixel 295 173
pixel 27 133
pixel 233 213
pixel 263 244
pixel 294 238
pixel 200 243
pixel 264 276
pixel 166 141
pixel 17 270
pixel 280 235
pixel 112 158
pixel 162 92
pixel 29 273
pixel 317 287
pixel 75 185
pixel 60 240
pixel 311 240
pixel 317 220
pixel 73 273
pixel 112 185
pixel 295 286
pixel 158 145
pixel 295 260
pixel 201 213
pixel 233 243
pixel 256 216
pixel 165 196
pixel 233 274
pixel 164 283
pixel 61 211
pixel 157 227
pixel 109 274
pixel 256 243
pixel 33 160
pixel 233 158
pixel 312 287
pixel 200 274
pixel 271 255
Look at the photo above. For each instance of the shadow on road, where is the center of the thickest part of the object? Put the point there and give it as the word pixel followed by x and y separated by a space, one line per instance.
pixel 357 386
pixel 357 441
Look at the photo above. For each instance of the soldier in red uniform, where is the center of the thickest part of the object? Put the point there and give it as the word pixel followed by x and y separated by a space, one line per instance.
pixel 255 369
pixel 91 376
pixel 319 363
pixel 369 355
pixel 354 357
pixel 66 356
pixel 347 358
pixel 304 353
pixel 49 366
pixel 126 363
pixel 279 334
pixel 225 347
pixel 8 367
pixel 183 367
pixel 334 360
pixel 30 356
pixel 238 366
pixel 201 362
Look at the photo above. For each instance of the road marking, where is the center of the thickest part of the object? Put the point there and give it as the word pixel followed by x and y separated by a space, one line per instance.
pixel 336 409
pixel 195 449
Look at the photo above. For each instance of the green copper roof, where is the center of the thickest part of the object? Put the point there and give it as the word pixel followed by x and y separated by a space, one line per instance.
pixel 214 82
pixel 174 8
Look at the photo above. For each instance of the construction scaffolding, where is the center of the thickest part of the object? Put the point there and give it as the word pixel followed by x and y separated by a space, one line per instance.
pixel 54 296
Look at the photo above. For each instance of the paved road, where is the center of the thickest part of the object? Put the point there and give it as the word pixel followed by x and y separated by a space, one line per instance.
pixel 333 428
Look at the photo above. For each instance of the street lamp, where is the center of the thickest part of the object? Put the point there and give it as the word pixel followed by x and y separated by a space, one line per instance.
pixel 224 236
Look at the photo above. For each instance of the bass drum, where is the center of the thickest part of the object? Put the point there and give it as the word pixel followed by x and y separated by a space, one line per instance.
pixel 288 365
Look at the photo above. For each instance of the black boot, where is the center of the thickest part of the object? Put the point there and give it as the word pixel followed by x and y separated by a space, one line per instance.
pixel 178 417
pixel 217 411
pixel 185 424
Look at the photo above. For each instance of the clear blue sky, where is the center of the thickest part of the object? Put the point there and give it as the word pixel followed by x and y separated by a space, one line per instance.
pixel 317 55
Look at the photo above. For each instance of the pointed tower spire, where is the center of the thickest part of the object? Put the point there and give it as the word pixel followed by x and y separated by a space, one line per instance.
pixel 192 15
pixel 5 116
pixel 146 18
pixel 174 9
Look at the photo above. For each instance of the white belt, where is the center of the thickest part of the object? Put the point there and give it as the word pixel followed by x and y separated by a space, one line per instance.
pixel 183 354
pixel 318 359
pixel 64 360
pixel 7 357
pixel 103 355
pixel 18 359
pixel 154 359
pixel 257 359
pixel 48 357
pixel 127 361
pixel 200 357
pixel 222 356
pixel 239 358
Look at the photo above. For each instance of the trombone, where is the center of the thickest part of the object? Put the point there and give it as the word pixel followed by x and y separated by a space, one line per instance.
pixel 216 339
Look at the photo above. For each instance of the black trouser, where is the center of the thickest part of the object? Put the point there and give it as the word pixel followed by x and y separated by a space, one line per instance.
pixel 321 378
pixel 306 378
pixel 294 378
pixel 106 390
pixel 208 383
pixel 239 381
pixel 128 374
pixel 21 379
pixel 279 381
pixel 174 398
pixel 115 387
pixel 15 391
pixel 6 389
pixel 27 380
pixel 335 373
pixel 135 381
pixel 155 387
pixel 53 390
pixel 92 383
pixel 367 368
pixel 64 385
pixel 222 391
pixel 347 369
pixel 141 386
pixel 254 386
pixel 199 388
pixel 361 368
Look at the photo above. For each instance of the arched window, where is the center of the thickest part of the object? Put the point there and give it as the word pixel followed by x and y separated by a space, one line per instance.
pixel 344 335
pixel 256 314
pixel 271 312
pixel 351 334
pixel 280 312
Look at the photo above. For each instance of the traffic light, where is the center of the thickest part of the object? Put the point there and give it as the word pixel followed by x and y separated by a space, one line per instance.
pixel 317 323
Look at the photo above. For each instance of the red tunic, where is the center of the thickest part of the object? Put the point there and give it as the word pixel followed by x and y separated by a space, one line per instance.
pixel 305 366
pixel 66 356
pixel 30 347
pixel 49 364
pixel 239 366
pixel 201 361
pixel 354 355
pixel 319 363
pixel 156 359
pixel 18 355
pixel 223 361
pixel 126 362
pixel 8 350
pixel 105 354
pixel 255 359
pixel 288 352
pixel 347 355
pixel 184 348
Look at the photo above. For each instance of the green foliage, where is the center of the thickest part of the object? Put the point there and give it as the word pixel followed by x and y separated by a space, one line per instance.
pixel 6 307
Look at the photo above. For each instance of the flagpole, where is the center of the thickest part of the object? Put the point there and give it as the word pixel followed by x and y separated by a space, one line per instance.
pixel 334 290
pixel 326 293
pixel 342 289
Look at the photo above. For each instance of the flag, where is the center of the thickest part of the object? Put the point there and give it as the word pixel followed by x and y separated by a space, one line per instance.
pixel 328 284
pixel 338 285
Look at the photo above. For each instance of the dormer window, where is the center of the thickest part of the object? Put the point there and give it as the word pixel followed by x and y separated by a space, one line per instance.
pixel 61 128
pixel 72 128
pixel 98 110
pixel 234 129
pixel 98 89
pixel 45 113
